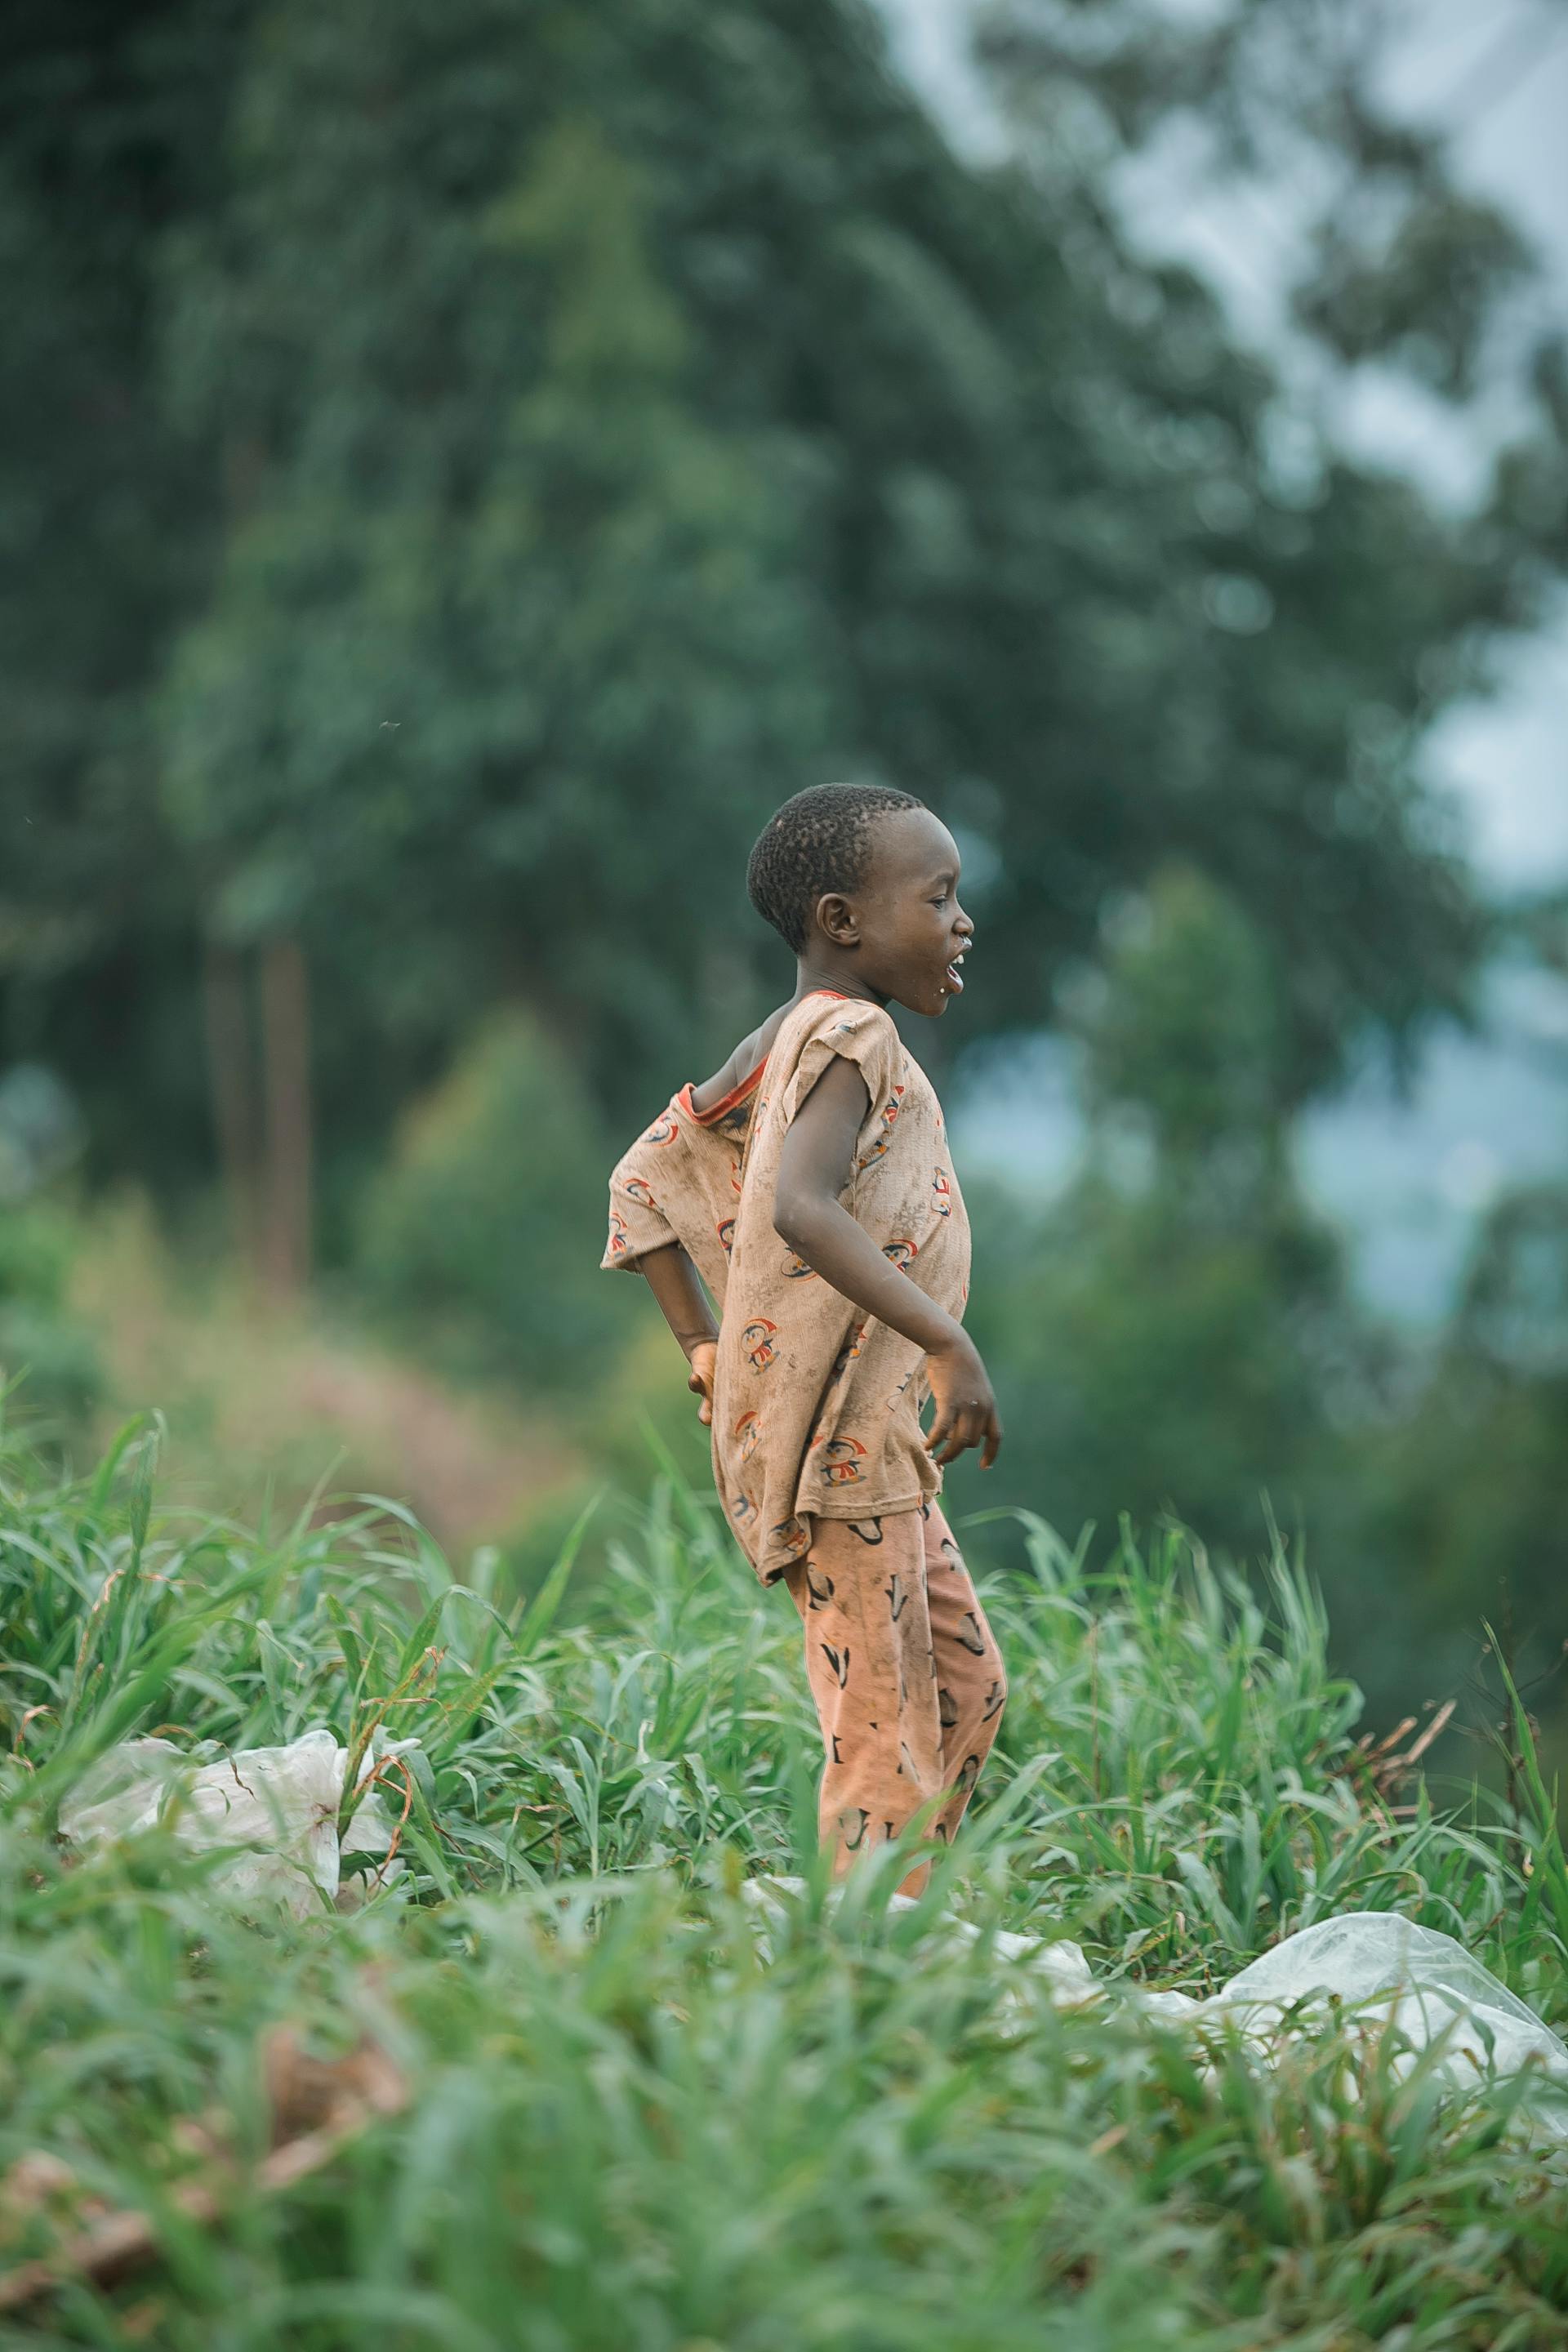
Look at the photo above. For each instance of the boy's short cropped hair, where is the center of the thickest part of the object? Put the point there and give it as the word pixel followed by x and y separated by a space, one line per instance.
pixel 819 840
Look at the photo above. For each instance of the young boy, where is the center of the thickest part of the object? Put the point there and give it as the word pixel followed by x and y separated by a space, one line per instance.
pixel 809 1186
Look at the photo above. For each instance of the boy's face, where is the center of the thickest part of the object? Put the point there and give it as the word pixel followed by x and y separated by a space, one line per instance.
pixel 904 924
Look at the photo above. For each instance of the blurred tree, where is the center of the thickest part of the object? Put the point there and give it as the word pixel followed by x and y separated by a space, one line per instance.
pixel 1463 1502
pixel 1470 1503
pixel 608 421
pixel 508 645
pixel 479 1243
pixel 1374 246
pixel 1278 126
pixel 663 416
pixel 107 523
pixel 50 1371
pixel 1177 1333
pixel 1542 928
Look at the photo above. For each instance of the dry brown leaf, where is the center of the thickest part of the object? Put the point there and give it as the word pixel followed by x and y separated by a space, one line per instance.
pixel 317 2105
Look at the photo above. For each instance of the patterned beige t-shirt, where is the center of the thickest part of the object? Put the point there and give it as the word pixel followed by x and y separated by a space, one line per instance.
pixel 816 1406
pixel 680 1181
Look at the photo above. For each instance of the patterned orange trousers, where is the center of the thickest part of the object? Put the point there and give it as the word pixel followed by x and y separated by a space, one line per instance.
pixel 906 1674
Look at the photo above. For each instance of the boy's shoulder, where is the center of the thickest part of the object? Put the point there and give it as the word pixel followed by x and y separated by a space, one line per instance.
pixel 846 1025
pixel 828 1026
pixel 824 1012
pixel 832 1017
pixel 741 1072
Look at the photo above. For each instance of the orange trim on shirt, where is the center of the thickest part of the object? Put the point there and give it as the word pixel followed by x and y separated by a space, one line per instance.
pixel 717 1111
pixel 738 1094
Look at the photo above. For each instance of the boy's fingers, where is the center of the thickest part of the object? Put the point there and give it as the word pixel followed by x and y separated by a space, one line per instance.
pixel 958 1427
pixel 960 1438
pixel 699 1381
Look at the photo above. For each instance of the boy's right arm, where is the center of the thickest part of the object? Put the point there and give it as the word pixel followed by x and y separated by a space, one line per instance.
pixel 676 1284
pixel 666 1266
pixel 645 1238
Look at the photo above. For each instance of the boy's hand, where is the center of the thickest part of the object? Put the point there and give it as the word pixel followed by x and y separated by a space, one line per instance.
pixel 704 1356
pixel 966 1411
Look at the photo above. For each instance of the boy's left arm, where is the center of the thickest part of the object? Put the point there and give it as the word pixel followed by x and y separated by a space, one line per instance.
pixel 816 1165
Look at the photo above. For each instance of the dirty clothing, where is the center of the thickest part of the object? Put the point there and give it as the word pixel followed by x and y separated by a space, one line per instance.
pixel 905 1672
pixel 816 1406
pixel 817 1447
pixel 680 1181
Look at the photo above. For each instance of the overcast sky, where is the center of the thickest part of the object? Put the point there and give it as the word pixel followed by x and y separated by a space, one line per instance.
pixel 1500 75
pixel 1496 76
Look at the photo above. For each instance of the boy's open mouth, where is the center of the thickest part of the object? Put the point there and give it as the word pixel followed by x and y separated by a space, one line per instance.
pixel 954 977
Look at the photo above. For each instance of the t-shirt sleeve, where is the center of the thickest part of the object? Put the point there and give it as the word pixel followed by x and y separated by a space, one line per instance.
pixel 862 1033
pixel 640 1186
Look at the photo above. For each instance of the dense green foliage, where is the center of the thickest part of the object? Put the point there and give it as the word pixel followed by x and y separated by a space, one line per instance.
pixel 1178 1333
pixel 709 425
pixel 479 1237
pixel 1213 1346
pixel 470 465
pixel 623 2122
pixel 1469 1479
pixel 37 1332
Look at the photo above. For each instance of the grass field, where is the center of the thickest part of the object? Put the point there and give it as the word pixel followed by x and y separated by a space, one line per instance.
pixel 543 2090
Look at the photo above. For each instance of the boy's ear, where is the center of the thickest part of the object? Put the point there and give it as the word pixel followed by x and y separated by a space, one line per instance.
pixel 837 920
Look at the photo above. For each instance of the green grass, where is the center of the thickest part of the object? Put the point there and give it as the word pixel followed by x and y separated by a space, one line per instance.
pixel 624 2128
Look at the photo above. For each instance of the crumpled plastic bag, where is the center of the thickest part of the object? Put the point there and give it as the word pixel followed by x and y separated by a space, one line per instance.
pixel 1377 1963
pixel 1424 1978
pixel 279 1804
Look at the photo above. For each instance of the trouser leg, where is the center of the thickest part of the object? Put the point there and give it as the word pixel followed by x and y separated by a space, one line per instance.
pixel 861 1592
pixel 905 1673
pixel 971 1681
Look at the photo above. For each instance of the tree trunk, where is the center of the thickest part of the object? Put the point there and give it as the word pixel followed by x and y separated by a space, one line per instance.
pixel 231 1080
pixel 285 1072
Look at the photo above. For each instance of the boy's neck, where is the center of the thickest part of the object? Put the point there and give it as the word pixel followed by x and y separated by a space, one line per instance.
pixel 824 970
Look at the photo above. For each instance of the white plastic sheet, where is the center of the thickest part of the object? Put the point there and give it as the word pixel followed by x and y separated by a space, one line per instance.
pixel 1397 1968
pixel 279 1805
pixel 1377 1963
